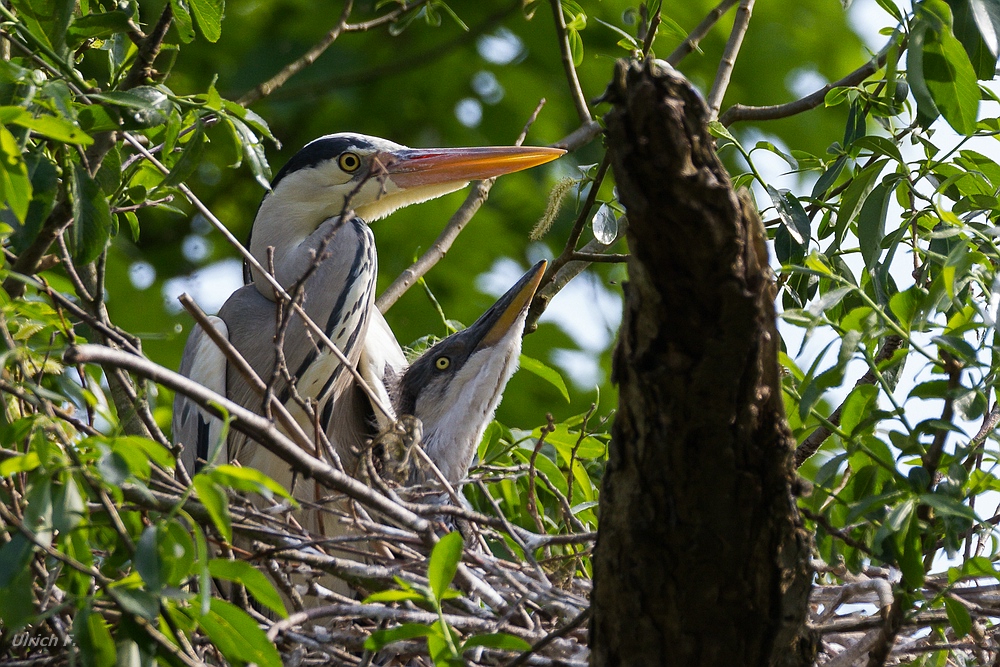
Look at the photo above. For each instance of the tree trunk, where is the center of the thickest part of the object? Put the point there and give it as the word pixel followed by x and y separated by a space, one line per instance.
pixel 701 558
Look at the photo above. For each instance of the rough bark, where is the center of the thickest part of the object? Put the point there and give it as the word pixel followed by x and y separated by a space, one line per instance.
pixel 701 558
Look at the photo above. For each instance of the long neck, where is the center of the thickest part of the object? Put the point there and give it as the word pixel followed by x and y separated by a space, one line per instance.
pixel 289 226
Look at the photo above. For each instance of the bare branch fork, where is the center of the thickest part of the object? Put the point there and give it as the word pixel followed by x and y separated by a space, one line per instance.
pixel 739 112
pixel 702 29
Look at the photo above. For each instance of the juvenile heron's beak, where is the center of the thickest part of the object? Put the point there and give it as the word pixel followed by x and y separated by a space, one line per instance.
pixel 496 322
pixel 416 167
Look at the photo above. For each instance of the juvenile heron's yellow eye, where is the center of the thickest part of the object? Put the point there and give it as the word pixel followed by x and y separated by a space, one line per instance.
pixel 442 363
pixel 349 162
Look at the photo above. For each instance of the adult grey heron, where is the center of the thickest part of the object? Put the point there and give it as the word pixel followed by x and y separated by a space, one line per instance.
pixel 302 231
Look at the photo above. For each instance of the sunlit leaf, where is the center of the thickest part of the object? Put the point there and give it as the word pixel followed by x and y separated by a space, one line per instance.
pixel 15 186
pixel 443 565
pixel 237 636
pixel 91 216
pixel 208 15
pixel 256 583
pixel 547 373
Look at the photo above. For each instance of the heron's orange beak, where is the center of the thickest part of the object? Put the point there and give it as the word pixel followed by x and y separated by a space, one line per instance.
pixel 506 312
pixel 415 167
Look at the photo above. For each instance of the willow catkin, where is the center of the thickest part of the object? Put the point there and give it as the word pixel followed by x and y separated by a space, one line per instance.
pixel 556 197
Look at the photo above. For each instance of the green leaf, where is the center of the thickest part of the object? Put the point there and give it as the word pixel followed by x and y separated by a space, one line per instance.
pixel 147 560
pixel 395 596
pixel 911 561
pixel 97 26
pixel 247 479
pixel 829 177
pixel 855 195
pixel 47 20
pixel 927 110
pixel 444 563
pixel 22 463
pixel 182 20
pixel 44 187
pixel 547 373
pixel 858 406
pixel 856 123
pixel 967 29
pixel 958 616
pixel 253 150
pixel 792 215
pixel 907 305
pixel 950 79
pixel 91 216
pixel 987 16
pixel 871 224
pixel 575 46
pixel 948 506
pixel 720 131
pixel 151 449
pixel 498 640
pixel 14 558
pixel 256 583
pixel 237 636
pixel 15 186
pixel 45 125
pixel 136 601
pixel 880 146
pixel 189 160
pixel 97 648
pixel 208 14
pixel 149 106
pixel 213 497
pixel 379 639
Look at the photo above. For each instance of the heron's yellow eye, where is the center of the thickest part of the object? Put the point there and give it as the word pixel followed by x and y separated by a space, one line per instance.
pixel 349 162
pixel 442 363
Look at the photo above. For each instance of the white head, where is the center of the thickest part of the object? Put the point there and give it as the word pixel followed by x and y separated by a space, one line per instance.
pixel 373 177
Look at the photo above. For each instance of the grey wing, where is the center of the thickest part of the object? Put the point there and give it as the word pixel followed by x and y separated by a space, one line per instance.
pixel 250 318
pixel 339 298
pixel 196 429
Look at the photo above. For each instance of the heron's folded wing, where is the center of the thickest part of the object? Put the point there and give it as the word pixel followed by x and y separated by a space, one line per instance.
pixel 198 430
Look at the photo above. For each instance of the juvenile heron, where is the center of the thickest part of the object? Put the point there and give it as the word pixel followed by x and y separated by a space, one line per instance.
pixel 332 257
pixel 454 388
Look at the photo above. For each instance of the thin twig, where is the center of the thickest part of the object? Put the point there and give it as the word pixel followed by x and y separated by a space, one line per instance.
pixel 699 32
pixel 149 49
pixel 296 66
pixel 816 439
pixel 532 502
pixel 549 638
pixel 739 112
pixel 596 257
pixel 654 23
pixel 728 62
pixel 575 91
pixel 404 63
pixel 253 425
